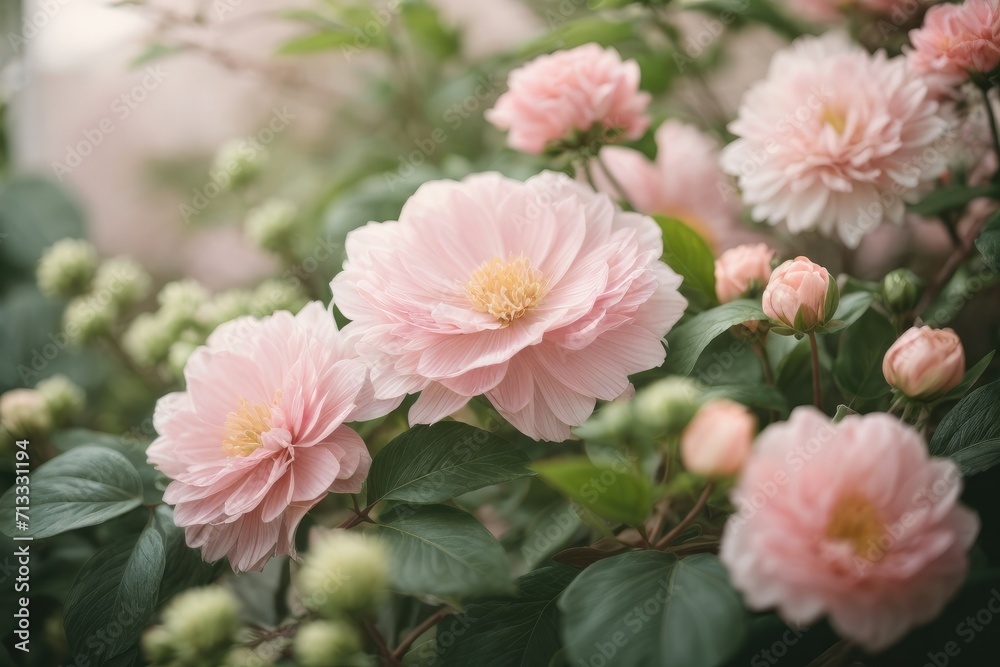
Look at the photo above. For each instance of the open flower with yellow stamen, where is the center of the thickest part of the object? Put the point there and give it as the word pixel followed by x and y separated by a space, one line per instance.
pixel 259 438
pixel 543 296
pixel 852 520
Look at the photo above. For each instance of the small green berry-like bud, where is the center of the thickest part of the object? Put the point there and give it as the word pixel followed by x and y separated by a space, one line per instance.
pixel 123 280
pixel 272 225
pixel 612 423
pixel 86 318
pixel 157 645
pixel 325 643
pixel 901 290
pixel 224 307
pixel 63 398
pixel 24 412
pixel 67 268
pixel 343 572
pixel 238 162
pixel 273 295
pixel 148 339
pixel 180 352
pixel 202 621
pixel 666 406
pixel 180 300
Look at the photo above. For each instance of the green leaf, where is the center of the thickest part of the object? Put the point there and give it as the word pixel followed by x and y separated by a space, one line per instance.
pixel 850 310
pixel 970 433
pixel 578 32
pixel 649 608
pixel 616 492
pixel 153 52
pixel 756 396
pixel 424 24
pixel 442 551
pixel 515 632
pixel 950 198
pixel 184 565
pixel 959 291
pixel 687 253
pixel 83 487
pixel 687 342
pixel 317 41
pixel 431 464
pixel 114 596
pixel 989 242
pixel 761 11
pixel 34 214
pixel 842 411
pixel 858 367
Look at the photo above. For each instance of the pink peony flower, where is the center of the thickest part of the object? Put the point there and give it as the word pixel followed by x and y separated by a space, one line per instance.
pixel 716 443
pixel 259 438
pixel 853 520
pixel 741 269
pixel 834 139
pixel 954 41
pixel 541 295
pixel 801 295
pixel 924 362
pixel 684 182
pixel 553 96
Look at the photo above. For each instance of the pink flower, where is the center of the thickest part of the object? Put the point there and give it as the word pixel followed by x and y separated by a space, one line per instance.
pixel 853 520
pixel 259 438
pixel 954 41
pixel 716 443
pixel 555 95
pixel 801 295
pixel 541 295
pixel 741 269
pixel 924 362
pixel 685 182
pixel 834 139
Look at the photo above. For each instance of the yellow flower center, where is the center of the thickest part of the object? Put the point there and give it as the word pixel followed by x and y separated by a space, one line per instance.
pixel 505 290
pixel 856 520
pixel 834 118
pixel 245 427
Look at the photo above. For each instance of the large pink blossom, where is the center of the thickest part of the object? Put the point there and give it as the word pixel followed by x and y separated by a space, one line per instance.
pixel 555 95
pixel 685 182
pixel 852 520
pixel 541 295
pixel 955 40
pixel 835 139
pixel 258 438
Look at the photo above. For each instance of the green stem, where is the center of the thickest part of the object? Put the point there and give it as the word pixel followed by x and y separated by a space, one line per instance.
pixel 993 126
pixel 615 183
pixel 687 520
pixel 814 354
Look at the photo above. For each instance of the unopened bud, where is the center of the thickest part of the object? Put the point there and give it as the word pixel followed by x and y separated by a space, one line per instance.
pixel 901 290
pixel 67 268
pixel 343 572
pixel 63 398
pixel 324 643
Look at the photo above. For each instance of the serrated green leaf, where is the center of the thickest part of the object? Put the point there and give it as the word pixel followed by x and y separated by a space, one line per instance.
pixel 686 342
pixel 442 551
pixel 83 487
pixel 521 631
pixel 431 464
pixel 114 596
pixel 649 608
pixel 970 433
pixel 616 492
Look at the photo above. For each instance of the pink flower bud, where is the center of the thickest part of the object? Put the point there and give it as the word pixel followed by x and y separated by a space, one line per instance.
pixel 740 269
pixel 716 443
pixel 801 295
pixel 925 362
